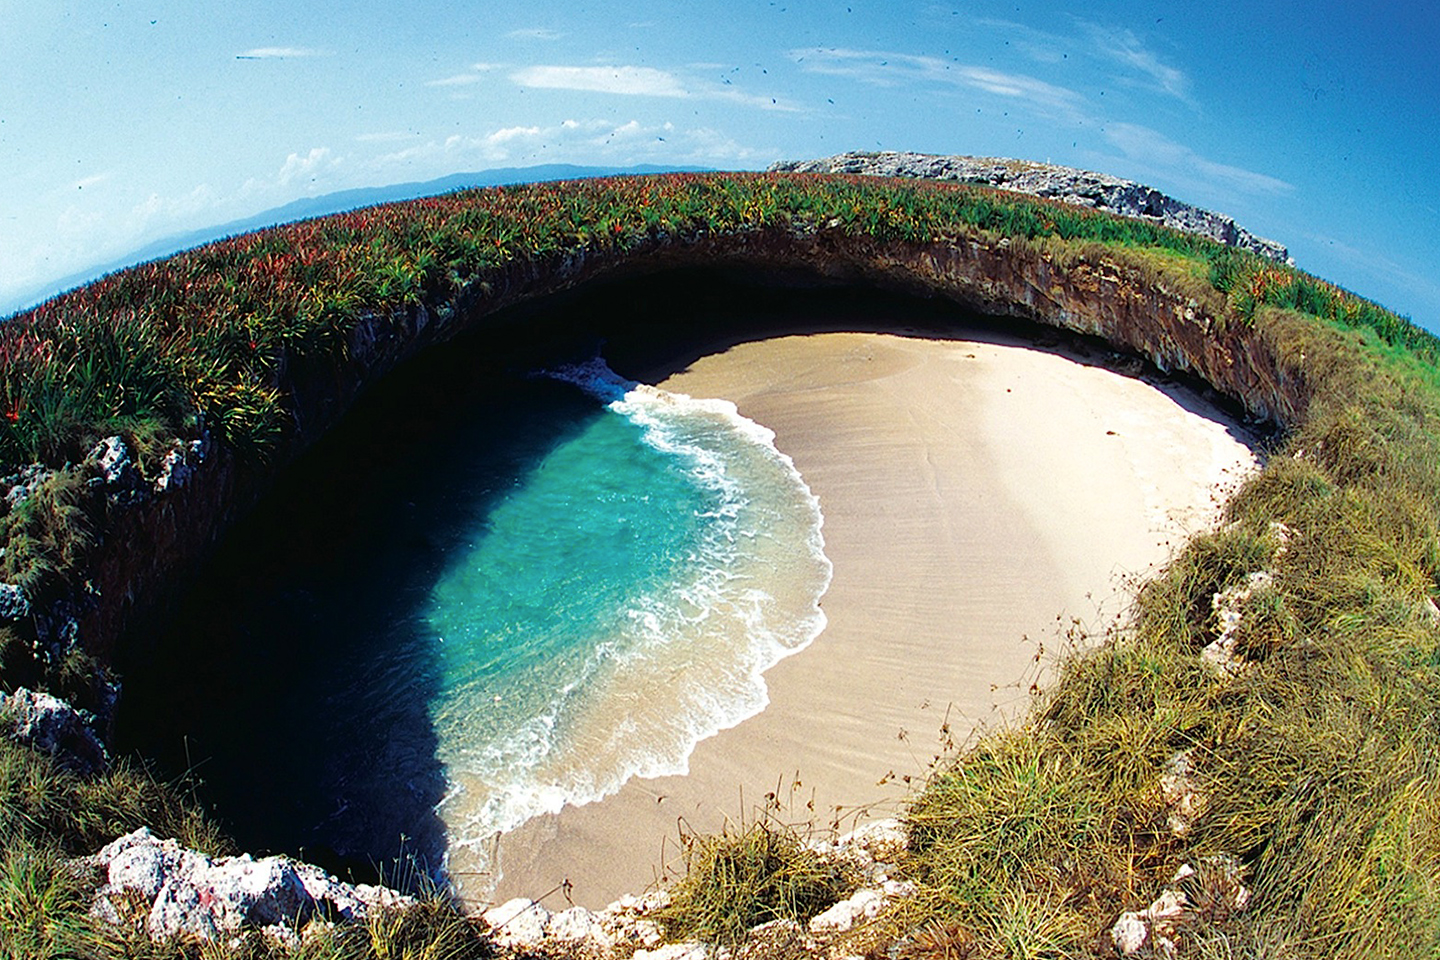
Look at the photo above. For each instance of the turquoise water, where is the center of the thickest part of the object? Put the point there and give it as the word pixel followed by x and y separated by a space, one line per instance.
pixel 461 613
pixel 619 605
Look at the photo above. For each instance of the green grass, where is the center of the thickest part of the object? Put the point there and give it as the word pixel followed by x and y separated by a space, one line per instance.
pixel 1317 761
pixel 48 814
pixel 206 337
pixel 746 876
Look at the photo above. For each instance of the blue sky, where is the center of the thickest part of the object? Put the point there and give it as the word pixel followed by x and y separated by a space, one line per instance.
pixel 1315 124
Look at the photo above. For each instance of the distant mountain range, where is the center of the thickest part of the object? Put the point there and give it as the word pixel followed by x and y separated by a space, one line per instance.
pixel 320 206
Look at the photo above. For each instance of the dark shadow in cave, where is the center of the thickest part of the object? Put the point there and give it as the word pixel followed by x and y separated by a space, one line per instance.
pixel 295 674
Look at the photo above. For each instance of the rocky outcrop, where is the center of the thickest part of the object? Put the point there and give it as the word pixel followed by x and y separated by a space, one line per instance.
pixel 626 928
pixel 50 725
pixel 175 892
pixel 1083 188
pixel 168 892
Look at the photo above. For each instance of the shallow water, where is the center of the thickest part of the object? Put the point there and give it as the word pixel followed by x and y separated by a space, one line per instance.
pixel 465 615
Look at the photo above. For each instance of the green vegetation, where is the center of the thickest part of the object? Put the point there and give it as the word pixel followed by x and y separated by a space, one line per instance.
pixel 47 814
pixel 742 878
pixel 206 337
pixel 1315 761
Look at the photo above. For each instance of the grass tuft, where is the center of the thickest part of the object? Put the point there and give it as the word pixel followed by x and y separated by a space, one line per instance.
pixel 739 879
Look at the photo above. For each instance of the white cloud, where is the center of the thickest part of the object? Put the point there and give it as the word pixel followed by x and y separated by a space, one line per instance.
pixel 1178 161
pixel 627 81
pixel 280 53
pixel 91 181
pixel 173 209
pixel 1126 49
pixel 1038 45
pixel 886 69
pixel 633 81
pixel 459 80
pixel 509 134
pixel 573 141
pixel 311 167
pixel 1144 68
pixel 867 66
pixel 474 75
pixel 535 33
pixel 1021 87
pixel 705 145
pixel 628 130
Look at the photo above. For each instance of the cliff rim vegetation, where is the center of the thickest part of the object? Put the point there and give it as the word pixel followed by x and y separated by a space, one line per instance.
pixel 1302 745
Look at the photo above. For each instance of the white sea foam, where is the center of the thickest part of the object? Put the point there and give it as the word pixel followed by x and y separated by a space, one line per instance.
pixel 689 661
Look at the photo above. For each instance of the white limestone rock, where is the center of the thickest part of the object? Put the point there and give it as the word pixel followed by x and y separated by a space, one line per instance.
pixel 50 725
pixel 180 464
pixel 688 950
pixel 185 892
pixel 1229 607
pixel 871 849
pixel 21 486
pixel 581 930
pixel 1082 188
pixel 1212 890
pixel 1130 933
pixel 517 923
pixel 13 603
pixel 864 904
pixel 1181 792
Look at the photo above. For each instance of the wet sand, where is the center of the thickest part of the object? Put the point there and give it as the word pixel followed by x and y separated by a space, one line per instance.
pixel 980 496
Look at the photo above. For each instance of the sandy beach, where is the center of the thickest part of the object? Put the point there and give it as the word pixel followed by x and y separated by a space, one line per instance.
pixel 979 496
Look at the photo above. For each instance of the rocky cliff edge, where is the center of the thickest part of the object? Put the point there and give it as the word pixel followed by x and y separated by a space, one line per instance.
pixel 1082 188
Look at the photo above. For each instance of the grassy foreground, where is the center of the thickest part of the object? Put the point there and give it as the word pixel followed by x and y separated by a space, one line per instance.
pixel 1314 762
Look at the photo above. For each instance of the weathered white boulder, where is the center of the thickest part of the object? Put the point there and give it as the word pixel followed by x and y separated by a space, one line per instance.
pixel 1229 606
pixel 21 486
pixel 581 928
pixel 112 457
pixel 517 923
pixel 688 950
pixel 50 725
pixel 864 904
pixel 1130 933
pixel 871 850
pixel 185 892
pixel 180 463
pixel 1180 790
pixel 13 604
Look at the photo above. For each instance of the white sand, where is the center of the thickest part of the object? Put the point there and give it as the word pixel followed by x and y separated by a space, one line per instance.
pixel 978 495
